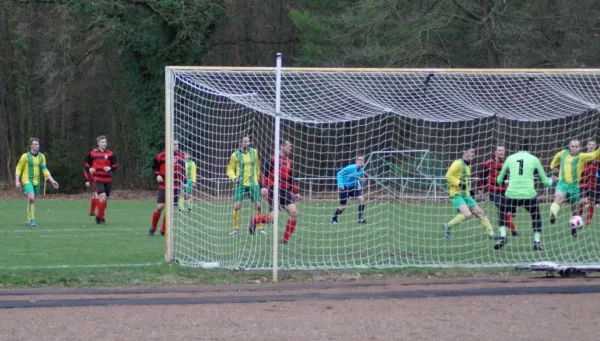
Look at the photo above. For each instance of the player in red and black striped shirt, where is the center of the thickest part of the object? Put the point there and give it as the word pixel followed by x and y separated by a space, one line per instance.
pixel 288 192
pixel 159 167
pixel 588 182
pixel 100 164
pixel 89 182
pixel 487 182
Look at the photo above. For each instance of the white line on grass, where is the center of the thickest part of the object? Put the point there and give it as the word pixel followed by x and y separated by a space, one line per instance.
pixel 66 266
pixel 83 229
pixel 27 235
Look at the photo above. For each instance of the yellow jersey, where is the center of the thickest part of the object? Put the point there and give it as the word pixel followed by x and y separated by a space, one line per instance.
pixel 571 166
pixel 30 167
pixel 245 166
pixel 459 172
pixel 190 171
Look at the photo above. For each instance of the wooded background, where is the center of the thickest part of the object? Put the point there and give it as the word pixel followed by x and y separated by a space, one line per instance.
pixel 71 70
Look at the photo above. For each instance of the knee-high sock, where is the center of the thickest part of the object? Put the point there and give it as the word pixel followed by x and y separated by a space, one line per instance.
pixel 236 219
pixel 101 209
pixel 181 203
pixel 510 224
pixel 28 211
pixel 155 219
pixel 487 226
pixel 32 211
pixel 93 204
pixel 555 208
pixel 163 228
pixel 361 211
pixel 457 220
pixel 289 229
pixel 258 212
pixel 591 210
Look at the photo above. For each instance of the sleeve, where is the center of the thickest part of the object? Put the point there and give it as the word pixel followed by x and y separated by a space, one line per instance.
pixel 156 166
pixel 256 165
pixel 453 174
pixel 482 175
pixel 502 174
pixel 556 160
pixel 542 174
pixel 21 166
pixel 231 167
pixel 295 187
pixel 267 168
pixel 113 162
pixel 87 162
pixel 587 157
pixel 44 167
pixel 86 175
pixel 340 175
pixel 193 175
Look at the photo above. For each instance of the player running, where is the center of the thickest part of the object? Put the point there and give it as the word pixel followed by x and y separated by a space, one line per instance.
pixel 459 179
pixel 572 163
pixel 487 181
pixel 588 184
pixel 349 186
pixel 100 164
pixel 522 167
pixel 288 192
pixel 30 167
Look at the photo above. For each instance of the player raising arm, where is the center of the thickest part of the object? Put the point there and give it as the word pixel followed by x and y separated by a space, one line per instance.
pixel 30 167
pixel 243 170
pixel 571 163
pixel 459 179
pixel 101 163
pixel 288 192
pixel 349 186
pixel 588 183
pixel 522 167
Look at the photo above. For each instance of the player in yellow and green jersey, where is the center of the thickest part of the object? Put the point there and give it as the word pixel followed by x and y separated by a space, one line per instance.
pixel 190 182
pixel 571 162
pixel 459 183
pixel 30 168
pixel 244 170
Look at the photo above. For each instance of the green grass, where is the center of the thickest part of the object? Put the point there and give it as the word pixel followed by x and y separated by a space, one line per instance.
pixel 69 249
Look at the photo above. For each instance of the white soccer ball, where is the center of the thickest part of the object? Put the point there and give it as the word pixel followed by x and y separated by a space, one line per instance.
pixel 576 222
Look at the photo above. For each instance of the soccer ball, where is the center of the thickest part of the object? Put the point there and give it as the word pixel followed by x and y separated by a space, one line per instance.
pixel 576 222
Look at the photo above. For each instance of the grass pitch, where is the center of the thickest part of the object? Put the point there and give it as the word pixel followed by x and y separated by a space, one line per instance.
pixel 68 248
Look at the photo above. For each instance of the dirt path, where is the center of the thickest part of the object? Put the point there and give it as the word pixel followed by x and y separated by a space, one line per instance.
pixel 477 309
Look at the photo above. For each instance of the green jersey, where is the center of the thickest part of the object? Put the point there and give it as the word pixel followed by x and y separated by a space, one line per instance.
pixel 522 167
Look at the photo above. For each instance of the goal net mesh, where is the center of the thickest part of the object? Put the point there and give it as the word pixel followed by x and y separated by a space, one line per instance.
pixel 410 126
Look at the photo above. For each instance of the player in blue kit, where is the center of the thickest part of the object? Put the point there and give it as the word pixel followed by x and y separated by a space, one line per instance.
pixel 349 186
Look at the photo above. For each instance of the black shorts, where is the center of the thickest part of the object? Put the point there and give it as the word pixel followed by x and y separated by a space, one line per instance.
pixel 349 193
pixel 498 199
pixel 587 193
pixel 510 205
pixel 102 187
pixel 286 197
pixel 161 196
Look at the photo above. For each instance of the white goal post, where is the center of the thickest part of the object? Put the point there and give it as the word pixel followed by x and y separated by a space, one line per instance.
pixel 410 124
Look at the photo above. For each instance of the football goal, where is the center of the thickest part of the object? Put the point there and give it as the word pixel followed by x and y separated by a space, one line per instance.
pixel 409 124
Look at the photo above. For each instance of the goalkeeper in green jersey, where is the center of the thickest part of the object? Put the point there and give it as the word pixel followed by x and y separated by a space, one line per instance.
pixel 522 167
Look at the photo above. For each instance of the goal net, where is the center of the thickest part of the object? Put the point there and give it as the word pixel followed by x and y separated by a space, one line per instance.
pixel 410 125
